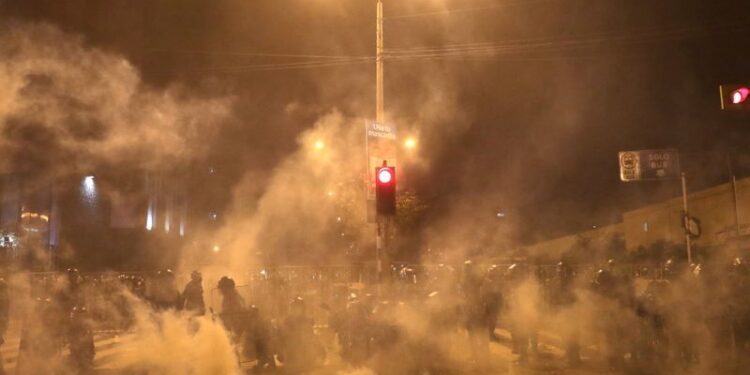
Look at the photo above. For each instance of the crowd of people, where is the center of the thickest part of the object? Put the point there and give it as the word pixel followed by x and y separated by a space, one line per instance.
pixel 623 318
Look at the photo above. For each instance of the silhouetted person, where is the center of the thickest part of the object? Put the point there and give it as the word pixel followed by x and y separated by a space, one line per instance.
pixel 80 340
pixel 300 349
pixel 475 313
pixel 258 342
pixel 192 296
pixel 564 298
pixel 4 317
pixel 232 307
pixel 42 339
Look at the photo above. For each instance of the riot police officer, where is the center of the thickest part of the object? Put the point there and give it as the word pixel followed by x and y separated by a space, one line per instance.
pixel 192 296
pixel 71 294
pixel 522 327
pixel 605 286
pixel 232 306
pixel 258 343
pixel 80 340
pixel 353 327
pixel 475 314
pixel 4 317
pixel 300 348
pixel 563 300
pixel 42 339
pixel 492 295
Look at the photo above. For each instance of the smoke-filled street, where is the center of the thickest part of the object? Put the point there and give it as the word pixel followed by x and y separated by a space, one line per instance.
pixel 374 187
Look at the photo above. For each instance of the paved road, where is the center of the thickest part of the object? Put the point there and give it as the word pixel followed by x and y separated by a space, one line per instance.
pixel 503 361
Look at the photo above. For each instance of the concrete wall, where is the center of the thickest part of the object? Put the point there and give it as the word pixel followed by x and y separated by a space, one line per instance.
pixel 598 238
pixel 714 207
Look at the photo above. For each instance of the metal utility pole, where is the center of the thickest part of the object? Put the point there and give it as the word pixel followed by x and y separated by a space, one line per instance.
pixel 379 65
pixel 382 222
pixel 734 196
pixel 686 218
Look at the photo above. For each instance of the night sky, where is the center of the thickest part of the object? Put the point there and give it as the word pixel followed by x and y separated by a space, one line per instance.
pixel 532 130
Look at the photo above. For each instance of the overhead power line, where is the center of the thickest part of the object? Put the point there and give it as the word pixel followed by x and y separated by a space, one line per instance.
pixel 467 10
pixel 255 54
pixel 529 49
pixel 288 66
pixel 549 45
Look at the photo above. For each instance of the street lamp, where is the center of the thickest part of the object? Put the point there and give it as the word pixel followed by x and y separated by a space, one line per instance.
pixel 410 143
pixel 319 145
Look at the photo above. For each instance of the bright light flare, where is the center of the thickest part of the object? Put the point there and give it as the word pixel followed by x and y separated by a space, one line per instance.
pixel 150 218
pixel 385 176
pixel 740 95
pixel 216 248
pixel 319 145
pixel 88 189
pixel 410 143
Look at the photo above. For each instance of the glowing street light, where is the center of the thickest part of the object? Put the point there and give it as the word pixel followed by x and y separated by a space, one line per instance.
pixel 216 248
pixel 410 143
pixel 319 145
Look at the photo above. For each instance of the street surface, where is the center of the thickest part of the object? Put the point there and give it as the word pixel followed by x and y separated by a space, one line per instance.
pixel 549 360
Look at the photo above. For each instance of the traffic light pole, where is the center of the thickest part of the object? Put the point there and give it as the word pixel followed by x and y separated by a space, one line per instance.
pixel 382 221
pixel 379 65
pixel 686 218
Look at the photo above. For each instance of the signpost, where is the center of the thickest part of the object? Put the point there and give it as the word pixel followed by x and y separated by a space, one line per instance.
pixel 657 165
pixel 649 165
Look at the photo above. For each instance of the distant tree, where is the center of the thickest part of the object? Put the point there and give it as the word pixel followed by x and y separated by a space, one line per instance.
pixel 410 210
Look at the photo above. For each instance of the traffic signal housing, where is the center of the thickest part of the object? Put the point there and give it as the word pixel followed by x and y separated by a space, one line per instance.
pixel 735 97
pixel 385 190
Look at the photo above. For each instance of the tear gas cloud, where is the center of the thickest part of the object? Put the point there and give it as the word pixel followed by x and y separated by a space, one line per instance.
pixel 67 100
pixel 68 108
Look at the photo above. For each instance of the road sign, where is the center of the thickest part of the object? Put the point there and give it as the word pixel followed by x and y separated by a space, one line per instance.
pixel 649 165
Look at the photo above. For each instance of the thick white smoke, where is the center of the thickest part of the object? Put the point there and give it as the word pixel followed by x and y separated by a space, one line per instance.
pixel 63 100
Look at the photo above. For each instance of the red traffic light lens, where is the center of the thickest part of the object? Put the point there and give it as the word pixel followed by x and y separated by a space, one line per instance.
pixel 740 95
pixel 385 176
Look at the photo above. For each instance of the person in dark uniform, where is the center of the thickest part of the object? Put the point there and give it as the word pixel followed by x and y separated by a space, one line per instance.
pixel 192 296
pixel 4 317
pixel 80 340
pixel 522 328
pixel 475 313
pixel 353 326
pixel 71 294
pixel 606 287
pixel 492 294
pixel 232 307
pixel 258 340
pixel 564 298
pixel 300 349
pixel 42 340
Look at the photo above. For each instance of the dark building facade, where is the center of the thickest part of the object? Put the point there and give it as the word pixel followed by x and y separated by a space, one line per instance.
pixel 94 221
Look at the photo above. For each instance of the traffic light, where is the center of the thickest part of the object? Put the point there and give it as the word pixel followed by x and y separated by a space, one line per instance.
pixel 385 190
pixel 735 97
